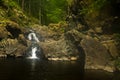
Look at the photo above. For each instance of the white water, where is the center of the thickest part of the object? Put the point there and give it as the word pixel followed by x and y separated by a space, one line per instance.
pixel 32 36
pixel 33 56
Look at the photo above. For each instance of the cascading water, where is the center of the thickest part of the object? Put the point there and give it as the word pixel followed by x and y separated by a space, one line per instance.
pixel 33 48
pixel 33 56
pixel 32 36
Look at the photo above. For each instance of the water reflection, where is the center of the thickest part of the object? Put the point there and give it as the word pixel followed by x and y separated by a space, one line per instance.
pixel 35 69
pixel 33 64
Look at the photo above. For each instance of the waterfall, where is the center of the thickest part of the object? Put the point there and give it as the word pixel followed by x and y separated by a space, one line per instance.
pixel 32 36
pixel 34 46
pixel 33 56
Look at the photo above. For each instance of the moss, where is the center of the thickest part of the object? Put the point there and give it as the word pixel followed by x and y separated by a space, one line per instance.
pixel 10 4
pixel 59 27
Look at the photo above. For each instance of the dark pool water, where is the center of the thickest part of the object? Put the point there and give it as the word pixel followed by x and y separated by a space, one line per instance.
pixel 27 69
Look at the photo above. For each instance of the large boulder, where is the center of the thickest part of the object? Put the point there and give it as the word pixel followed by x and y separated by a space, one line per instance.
pixel 97 55
pixel 94 53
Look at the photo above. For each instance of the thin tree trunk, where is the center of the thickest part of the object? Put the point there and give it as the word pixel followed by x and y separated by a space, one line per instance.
pixel 18 1
pixel 29 12
pixel 23 5
pixel 40 13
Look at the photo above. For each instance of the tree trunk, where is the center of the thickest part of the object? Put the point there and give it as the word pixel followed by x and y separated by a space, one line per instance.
pixel 29 11
pixel 23 5
pixel 40 13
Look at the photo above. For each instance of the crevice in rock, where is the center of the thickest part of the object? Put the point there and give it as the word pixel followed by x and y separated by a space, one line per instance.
pixel 75 39
pixel 14 31
pixel 81 53
pixel 82 58
pixel 1 39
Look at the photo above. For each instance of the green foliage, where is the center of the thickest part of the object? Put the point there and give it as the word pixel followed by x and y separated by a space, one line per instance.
pixel 55 10
pixel 58 27
pixel 55 16
pixel 69 2
pixel 46 11
pixel 10 4
pixel 95 5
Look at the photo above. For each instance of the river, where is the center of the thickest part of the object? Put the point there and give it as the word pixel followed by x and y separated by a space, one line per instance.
pixel 35 69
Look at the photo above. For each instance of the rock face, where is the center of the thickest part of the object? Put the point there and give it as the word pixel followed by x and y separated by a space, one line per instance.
pixel 56 46
pixel 59 50
pixel 93 51
pixel 11 29
pixel 11 48
pixel 12 41
pixel 95 54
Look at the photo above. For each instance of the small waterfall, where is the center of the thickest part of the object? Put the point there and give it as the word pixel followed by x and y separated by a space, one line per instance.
pixel 33 56
pixel 34 46
pixel 32 36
